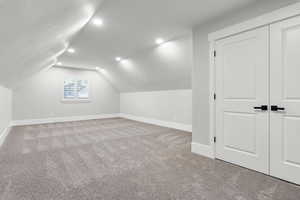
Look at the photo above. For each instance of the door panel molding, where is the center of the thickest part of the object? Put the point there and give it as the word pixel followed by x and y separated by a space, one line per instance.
pixel 284 92
pixel 242 68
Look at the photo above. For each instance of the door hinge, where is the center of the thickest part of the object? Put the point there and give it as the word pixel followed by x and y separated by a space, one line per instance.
pixel 215 139
pixel 215 96
pixel 215 53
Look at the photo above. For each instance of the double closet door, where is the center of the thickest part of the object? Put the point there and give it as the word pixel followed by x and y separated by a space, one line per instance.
pixel 258 99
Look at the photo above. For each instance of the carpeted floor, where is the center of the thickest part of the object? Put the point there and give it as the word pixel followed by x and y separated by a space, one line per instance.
pixel 119 159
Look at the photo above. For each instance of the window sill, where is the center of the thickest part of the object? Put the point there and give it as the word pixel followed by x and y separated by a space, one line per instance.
pixel 75 101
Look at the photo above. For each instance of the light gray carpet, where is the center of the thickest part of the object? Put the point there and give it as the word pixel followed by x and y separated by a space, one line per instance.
pixel 116 159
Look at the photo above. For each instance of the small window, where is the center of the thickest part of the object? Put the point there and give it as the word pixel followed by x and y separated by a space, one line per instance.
pixel 76 90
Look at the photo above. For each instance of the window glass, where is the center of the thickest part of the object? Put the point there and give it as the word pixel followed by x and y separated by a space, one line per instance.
pixel 76 89
pixel 83 89
pixel 69 89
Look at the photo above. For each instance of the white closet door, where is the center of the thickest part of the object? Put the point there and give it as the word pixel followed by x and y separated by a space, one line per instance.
pixel 241 84
pixel 285 93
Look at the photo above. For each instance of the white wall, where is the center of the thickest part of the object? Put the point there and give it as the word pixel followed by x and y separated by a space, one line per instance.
pixel 164 67
pixel 41 96
pixel 5 108
pixel 170 105
pixel 201 62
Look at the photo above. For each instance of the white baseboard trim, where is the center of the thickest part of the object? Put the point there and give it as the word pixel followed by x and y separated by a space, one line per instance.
pixel 62 119
pixel 203 150
pixel 4 134
pixel 174 125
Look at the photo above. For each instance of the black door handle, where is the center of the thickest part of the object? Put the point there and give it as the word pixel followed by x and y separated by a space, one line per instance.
pixel 263 107
pixel 276 108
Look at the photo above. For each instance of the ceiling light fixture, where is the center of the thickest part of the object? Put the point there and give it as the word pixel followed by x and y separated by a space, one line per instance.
pixel 97 22
pixel 71 50
pixel 118 59
pixel 59 64
pixel 159 41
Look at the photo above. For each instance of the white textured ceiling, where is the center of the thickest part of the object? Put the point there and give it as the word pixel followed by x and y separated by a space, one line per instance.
pixel 133 25
pixel 129 31
pixel 35 32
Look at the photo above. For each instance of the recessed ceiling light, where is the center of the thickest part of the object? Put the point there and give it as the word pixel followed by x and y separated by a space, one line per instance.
pixel 124 61
pixel 71 50
pixel 118 59
pixel 159 41
pixel 59 64
pixel 97 22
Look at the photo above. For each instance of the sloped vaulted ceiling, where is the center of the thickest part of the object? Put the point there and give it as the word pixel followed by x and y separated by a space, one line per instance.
pixel 34 32
pixel 129 30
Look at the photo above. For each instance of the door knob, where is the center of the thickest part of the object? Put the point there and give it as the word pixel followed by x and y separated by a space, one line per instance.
pixel 263 107
pixel 276 108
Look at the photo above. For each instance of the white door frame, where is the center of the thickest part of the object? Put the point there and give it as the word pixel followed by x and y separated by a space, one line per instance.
pixel 266 19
